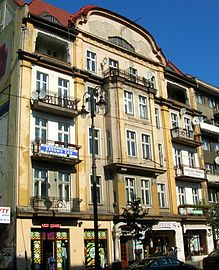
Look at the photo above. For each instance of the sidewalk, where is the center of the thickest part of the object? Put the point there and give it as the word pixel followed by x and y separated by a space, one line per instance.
pixel 198 264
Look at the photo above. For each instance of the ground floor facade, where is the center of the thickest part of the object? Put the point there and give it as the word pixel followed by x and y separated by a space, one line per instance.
pixel 71 242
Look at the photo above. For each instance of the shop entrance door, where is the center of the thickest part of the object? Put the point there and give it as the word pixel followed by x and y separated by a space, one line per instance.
pixel 48 251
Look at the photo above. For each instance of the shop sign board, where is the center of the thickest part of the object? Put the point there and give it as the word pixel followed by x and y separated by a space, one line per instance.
pixel 5 214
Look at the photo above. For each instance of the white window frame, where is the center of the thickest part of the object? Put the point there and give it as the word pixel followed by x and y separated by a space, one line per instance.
pixel 99 186
pixel 113 63
pixel 133 73
pixel 206 144
pixel 97 140
pixel 108 143
pixel 42 81
pixel 146 191
pixel 129 102
pixel 174 120
pixel 130 188
pixel 200 98
pixel 161 191
pixel 161 155
pixel 143 107
pixel 178 157
pixel 91 61
pixel 131 139
pixel 41 128
pixel 64 181
pixel 157 118
pixel 187 125
pixel 195 196
pixel 146 146
pixel 182 195
pixel 191 158
pixel 63 134
pixel 40 181
pixel 63 88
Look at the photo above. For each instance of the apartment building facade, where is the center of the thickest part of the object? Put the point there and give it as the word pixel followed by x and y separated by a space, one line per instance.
pixel 56 61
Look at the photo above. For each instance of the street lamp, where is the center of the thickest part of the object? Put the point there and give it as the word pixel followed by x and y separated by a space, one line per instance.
pixel 94 94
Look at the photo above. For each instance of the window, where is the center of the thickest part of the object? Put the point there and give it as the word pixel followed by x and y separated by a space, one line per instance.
pixel 160 150
pixel 216 147
pixel 211 102
pixel 63 90
pixel 146 146
pixel 209 168
pixel 143 107
pixel 40 129
pixel 64 186
pixel 213 196
pixel 42 81
pixel 195 196
pixel 121 42
pixel 40 183
pixel 206 145
pixel 129 189
pixel 182 195
pixel 174 120
pixel 178 157
pixel 91 91
pixel 63 133
pixel 113 64
pixel 108 143
pixel 98 189
pixel 96 141
pixel 191 157
pixel 145 192
pixel 161 195
pixel 131 143
pixel 91 61
pixel 157 118
pixel 128 100
pixel 188 126
pixel 200 99
pixel 133 73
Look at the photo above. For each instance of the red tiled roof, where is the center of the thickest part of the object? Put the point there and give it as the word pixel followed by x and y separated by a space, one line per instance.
pixel 174 68
pixel 19 2
pixel 81 12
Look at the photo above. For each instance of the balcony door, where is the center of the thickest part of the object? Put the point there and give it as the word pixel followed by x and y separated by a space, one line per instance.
pixel 63 92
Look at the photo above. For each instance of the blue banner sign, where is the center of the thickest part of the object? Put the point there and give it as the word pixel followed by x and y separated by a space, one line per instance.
pixel 58 151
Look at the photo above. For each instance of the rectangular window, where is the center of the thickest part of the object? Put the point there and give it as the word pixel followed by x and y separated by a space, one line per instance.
pixel 129 189
pixel 91 61
pixel 96 141
pixel 161 195
pixel 211 103
pixel 188 125
pixel 41 81
pixel 108 143
pixel 128 100
pixel 200 99
pixel 113 64
pixel 146 146
pixel 131 143
pixel 63 133
pixel 191 157
pixel 145 192
pixel 174 120
pixel 98 189
pixel 213 196
pixel 160 151
pixel 133 74
pixel 157 118
pixel 41 129
pixel 206 145
pixel 209 168
pixel 40 183
pixel 63 91
pixel 64 186
pixel 143 107
pixel 182 195
pixel 178 157
pixel 195 196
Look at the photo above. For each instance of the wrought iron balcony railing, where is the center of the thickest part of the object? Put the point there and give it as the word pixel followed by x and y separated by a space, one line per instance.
pixel 56 204
pixel 55 151
pixel 52 103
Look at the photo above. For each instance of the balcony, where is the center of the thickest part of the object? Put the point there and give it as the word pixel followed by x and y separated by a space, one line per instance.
pixel 51 103
pixel 213 178
pixel 209 128
pixel 55 204
pixel 55 151
pixel 187 173
pixel 186 137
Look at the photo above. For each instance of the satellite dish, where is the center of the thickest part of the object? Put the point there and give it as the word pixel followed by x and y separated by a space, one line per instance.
pixel 34 95
pixel 149 75
pixel 195 121
pixel 42 94
pixel 182 111
pixel 217 160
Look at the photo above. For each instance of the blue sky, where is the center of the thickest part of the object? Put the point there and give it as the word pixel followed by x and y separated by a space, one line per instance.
pixel 186 30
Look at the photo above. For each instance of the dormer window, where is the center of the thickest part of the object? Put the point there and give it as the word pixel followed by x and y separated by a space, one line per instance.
pixel 52 47
pixel 121 43
pixel 49 18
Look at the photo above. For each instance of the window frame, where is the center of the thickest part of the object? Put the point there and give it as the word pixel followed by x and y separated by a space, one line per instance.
pixel 146 146
pixel 157 117
pixel 143 107
pixel 182 195
pixel 129 102
pixel 130 189
pixel 146 192
pixel 162 195
pixel 64 183
pixel 97 140
pixel 41 181
pixel 174 122
pixel 131 143
pixel 91 61
pixel 99 188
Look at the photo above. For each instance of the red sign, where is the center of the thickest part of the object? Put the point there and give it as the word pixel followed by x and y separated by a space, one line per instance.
pixel 50 225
